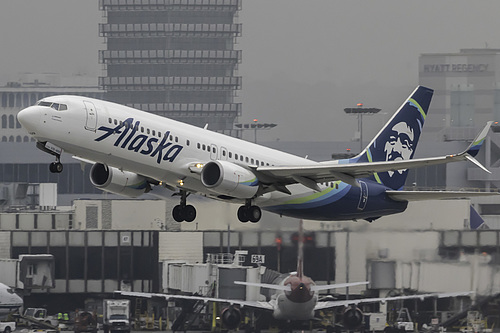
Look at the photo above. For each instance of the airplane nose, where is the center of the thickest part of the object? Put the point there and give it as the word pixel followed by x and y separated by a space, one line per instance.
pixel 29 118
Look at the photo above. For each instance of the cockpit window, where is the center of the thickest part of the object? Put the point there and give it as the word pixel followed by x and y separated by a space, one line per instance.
pixel 55 106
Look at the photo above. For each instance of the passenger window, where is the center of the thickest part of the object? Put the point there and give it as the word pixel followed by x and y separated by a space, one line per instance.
pixel 246 159
pixel 198 145
pixel 176 139
pixel 147 130
pixel 154 133
pixel 235 156
pixel 241 158
pixel 230 155
pixel 116 122
pixel 223 153
pixel 214 150
pixel 204 147
pixel 187 142
pixel 110 120
pixel 142 129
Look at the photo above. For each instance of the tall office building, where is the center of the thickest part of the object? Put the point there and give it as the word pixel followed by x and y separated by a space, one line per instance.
pixel 467 91
pixel 173 58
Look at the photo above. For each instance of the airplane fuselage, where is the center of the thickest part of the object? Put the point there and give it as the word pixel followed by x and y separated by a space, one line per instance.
pixel 171 152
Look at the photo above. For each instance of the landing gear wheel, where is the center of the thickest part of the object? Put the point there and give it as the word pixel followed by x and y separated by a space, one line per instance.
pixel 243 214
pixel 189 213
pixel 56 167
pixel 254 214
pixel 178 213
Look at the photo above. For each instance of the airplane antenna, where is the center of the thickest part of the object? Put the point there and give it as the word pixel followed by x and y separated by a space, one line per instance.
pixel 300 258
pixel 206 126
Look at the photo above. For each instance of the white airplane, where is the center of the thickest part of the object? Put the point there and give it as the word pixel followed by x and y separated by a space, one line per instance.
pixel 132 151
pixel 295 298
pixel 9 300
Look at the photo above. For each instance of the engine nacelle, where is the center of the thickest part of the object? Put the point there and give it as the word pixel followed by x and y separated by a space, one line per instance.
pixel 352 318
pixel 118 182
pixel 231 317
pixel 230 179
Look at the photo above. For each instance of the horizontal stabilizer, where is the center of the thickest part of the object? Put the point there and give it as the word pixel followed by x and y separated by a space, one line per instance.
pixel 435 195
pixel 313 288
pixel 265 285
pixel 338 285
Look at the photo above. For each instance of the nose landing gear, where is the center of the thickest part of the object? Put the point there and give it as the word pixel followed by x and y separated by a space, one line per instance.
pixel 56 167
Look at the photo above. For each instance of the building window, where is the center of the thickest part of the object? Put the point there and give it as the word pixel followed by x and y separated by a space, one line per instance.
pixel 4 121
pixel 11 121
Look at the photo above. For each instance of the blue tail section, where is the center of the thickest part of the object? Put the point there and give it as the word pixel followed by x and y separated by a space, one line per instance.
pixel 399 137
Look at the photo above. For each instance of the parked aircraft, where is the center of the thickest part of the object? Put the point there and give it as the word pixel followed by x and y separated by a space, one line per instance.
pixel 132 151
pixel 9 300
pixel 295 298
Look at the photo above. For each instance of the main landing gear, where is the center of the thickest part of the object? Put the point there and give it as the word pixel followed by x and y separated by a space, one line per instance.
pixel 249 212
pixel 184 212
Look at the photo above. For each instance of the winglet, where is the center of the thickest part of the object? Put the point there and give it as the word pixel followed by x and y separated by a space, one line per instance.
pixel 475 146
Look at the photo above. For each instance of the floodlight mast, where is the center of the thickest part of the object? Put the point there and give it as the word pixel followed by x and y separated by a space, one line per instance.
pixel 360 111
pixel 254 126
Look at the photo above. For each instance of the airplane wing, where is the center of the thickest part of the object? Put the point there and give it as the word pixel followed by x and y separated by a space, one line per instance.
pixel 254 304
pixel 311 174
pixel 331 304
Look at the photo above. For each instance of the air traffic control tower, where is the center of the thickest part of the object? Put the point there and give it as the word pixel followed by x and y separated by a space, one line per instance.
pixel 173 58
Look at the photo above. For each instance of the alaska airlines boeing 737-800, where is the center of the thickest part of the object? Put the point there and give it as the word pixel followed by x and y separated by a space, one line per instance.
pixel 133 151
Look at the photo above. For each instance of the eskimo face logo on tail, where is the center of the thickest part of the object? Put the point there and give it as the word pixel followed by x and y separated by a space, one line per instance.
pixel 398 142
pixel 399 146
pixel 131 139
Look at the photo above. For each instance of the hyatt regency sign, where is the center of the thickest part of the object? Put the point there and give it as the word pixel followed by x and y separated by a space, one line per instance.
pixel 456 68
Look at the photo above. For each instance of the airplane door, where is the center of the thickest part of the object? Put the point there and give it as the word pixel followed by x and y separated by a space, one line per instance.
pixel 213 152
pixel 363 195
pixel 91 122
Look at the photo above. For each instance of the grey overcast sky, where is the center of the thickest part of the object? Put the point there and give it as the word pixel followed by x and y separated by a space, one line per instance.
pixel 304 61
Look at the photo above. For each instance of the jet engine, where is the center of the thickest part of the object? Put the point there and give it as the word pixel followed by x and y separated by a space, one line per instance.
pixel 230 179
pixel 231 317
pixel 352 318
pixel 114 180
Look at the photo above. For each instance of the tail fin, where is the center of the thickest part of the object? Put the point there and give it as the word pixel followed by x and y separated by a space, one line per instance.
pixel 399 137
pixel 300 254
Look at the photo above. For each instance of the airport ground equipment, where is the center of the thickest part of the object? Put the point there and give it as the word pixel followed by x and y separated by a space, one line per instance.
pixel 37 318
pixel 116 315
pixel 85 322
pixel 7 326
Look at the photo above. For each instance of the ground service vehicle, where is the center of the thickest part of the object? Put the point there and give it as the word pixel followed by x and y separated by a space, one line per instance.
pixel 116 315
pixel 85 322
pixel 7 326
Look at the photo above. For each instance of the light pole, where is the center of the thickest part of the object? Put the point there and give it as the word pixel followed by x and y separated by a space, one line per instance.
pixel 360 111
pixel 255 126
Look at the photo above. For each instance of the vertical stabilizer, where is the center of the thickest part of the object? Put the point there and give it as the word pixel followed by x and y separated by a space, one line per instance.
pixel 300 254
pixel 399 137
